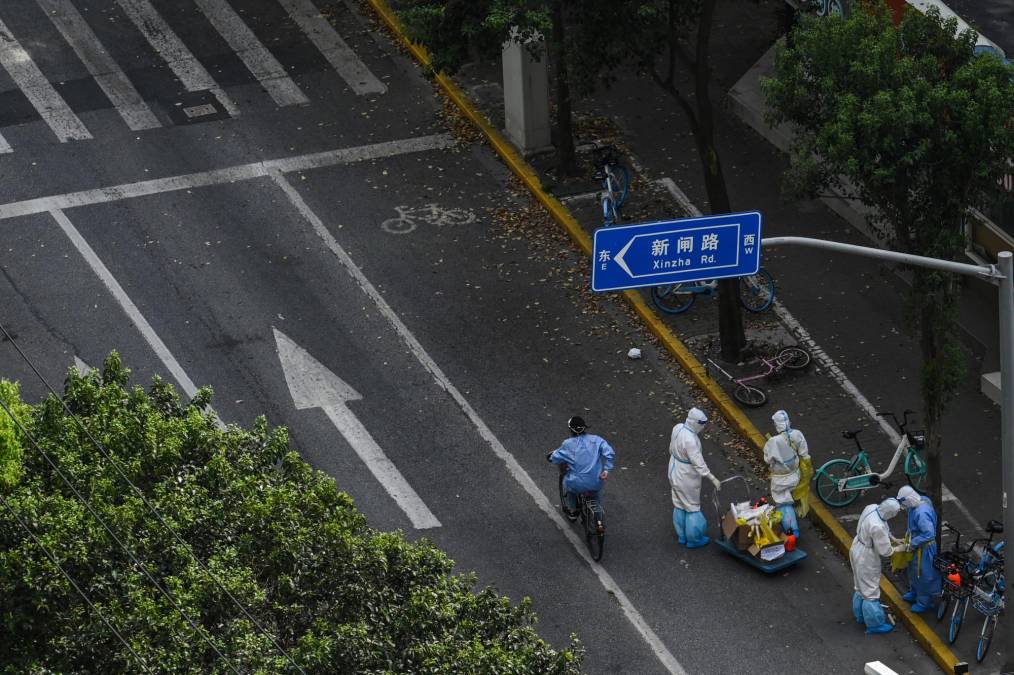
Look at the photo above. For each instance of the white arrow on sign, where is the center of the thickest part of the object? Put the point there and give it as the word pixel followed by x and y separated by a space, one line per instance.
pixel 312 385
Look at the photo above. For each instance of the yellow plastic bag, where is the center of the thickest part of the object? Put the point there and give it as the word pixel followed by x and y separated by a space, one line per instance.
pixel 902 559
pixel 801 493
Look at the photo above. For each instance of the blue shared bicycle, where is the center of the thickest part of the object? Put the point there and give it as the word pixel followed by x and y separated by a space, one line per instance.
pixel 756 293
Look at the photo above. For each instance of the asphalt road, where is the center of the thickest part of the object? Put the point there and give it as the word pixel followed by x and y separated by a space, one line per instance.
pixel 222 248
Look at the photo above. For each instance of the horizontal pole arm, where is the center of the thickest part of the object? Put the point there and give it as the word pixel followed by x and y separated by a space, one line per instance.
pixel 988 272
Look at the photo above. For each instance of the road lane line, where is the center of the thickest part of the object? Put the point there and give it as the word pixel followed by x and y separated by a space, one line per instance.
pixel 135 315
pixel 231 174
pixel 107 74
pixel 184 64
pixel 314 385
pixel 5 147
pixel 258 60
pixel 803 336
pixel 335 50
pixel 513 467
pixel 49 104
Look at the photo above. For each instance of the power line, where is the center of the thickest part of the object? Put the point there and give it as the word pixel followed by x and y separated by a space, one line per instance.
pixel 151 507
pixel 73 583
pixel 137 563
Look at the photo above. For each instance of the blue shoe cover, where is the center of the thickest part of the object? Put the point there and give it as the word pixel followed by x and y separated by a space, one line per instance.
pixel 917 607
pixel 879 630
pixel 789 522
pixel 696 529
pixel 857 608
pixel 874 616
pixel 909 597
pixel 679 523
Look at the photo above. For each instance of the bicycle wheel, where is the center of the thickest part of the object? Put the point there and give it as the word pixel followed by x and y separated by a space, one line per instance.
pixel 609 214
pixel 793 358
pixel 915 469
pixel 985 637
pixel 827 483
pixel 751 397
pixel 757 291
pixel 945 602
pixel 956 617
pixel 595 538
pixel 672 299
pixel 398 225
pixel 621 183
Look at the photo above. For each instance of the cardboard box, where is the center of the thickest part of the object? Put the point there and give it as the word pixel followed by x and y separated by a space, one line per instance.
pixel 738 535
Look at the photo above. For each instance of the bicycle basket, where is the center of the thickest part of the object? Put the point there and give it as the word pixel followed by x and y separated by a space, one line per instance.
pixel 918 439
pixel 942 562
pixel 988 606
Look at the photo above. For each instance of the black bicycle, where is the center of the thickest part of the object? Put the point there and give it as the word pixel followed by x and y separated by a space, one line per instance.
pixel 593 517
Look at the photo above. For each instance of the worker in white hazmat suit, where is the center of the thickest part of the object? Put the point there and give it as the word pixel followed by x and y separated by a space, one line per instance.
pixel 686 469
pixel 782 453
pixel 872 541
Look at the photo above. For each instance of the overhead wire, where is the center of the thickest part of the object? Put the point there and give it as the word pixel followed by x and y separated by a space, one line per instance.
pixel 84 596
pixel 144 570
pixel 186 545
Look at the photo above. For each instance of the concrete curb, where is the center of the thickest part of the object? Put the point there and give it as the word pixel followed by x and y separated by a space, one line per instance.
pixel 933 645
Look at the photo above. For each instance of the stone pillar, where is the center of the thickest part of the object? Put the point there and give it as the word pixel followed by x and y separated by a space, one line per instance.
pixel 526 94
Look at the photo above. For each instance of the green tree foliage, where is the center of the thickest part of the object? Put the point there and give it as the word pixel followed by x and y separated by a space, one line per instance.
pixel 338 596
pixel 922 129
pixel 11 440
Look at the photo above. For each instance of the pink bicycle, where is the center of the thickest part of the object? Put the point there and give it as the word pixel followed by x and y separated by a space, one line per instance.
pixel 789 358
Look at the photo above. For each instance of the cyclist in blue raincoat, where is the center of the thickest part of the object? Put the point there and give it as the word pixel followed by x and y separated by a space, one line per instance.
pixel 589 459
pixel 924 582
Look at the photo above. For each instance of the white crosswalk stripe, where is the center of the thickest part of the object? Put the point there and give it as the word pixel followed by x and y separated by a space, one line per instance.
pixel 79 35
pixel 265 67
pixel 37 89
pixel 183 63
pixel 334 49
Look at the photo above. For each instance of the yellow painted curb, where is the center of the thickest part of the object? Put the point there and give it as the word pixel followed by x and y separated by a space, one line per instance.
pixel 929 640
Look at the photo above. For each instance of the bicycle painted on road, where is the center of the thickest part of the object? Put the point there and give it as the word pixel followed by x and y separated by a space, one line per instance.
pixel 409 218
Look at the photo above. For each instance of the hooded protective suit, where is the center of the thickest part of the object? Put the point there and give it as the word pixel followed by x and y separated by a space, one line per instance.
pixel 782 454
pixel 872 541
pixel 686 468
pixel 924 582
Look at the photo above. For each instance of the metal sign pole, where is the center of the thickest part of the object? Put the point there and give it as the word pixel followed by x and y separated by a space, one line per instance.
pixel 1005 263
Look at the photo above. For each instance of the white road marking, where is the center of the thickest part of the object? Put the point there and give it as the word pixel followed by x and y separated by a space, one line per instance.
pixel 81 366
pixel 227 175
pixel 334 49
pixel 313 385
pixel 258 60
pixel 118 88
pixel 825 360
pixel 34 85
pixel 513 467
pixel 110 282
pixel 5 147
pixel 161 37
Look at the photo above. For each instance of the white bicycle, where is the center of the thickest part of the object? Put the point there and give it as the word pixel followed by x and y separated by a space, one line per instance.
pixel 409 218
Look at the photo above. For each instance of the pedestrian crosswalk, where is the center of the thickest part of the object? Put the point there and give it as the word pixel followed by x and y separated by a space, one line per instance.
pixel 73 24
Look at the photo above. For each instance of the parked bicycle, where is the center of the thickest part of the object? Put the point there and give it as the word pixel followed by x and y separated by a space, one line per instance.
pixel 980 584
pixel 593 517
pixel 789 358
pixel 756 293
pixel 841 481
pixel 615 183
pixel 409 217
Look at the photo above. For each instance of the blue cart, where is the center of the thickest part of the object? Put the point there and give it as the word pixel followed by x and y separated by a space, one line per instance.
pixel 736 489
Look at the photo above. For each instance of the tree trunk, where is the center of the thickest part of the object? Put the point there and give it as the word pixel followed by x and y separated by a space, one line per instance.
pixel 564 122
pixel 930 347
pixel 730 316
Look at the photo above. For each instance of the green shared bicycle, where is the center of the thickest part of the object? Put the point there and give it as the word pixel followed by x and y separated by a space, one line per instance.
pixel 841 481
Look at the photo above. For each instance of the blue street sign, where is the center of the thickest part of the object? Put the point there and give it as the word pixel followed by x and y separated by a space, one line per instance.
pixel 676 251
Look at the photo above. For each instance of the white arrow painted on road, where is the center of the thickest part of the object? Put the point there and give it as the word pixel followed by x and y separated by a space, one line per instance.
pixel 312 385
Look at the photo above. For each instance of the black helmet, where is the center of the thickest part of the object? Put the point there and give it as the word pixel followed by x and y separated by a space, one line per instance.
pixel 576 425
